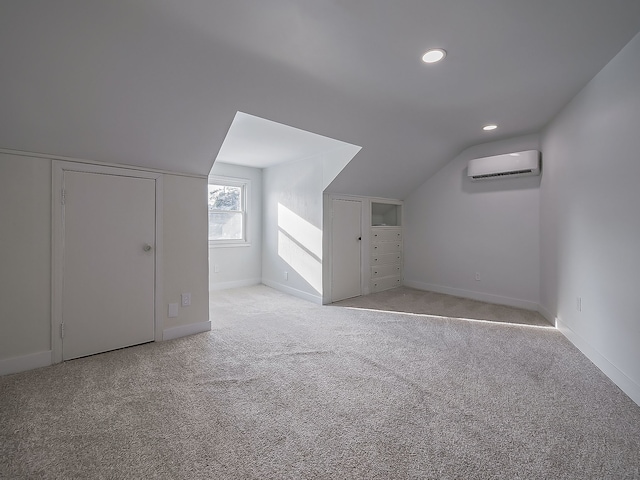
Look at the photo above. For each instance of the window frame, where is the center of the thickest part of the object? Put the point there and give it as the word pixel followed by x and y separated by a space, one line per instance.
pixel 245 186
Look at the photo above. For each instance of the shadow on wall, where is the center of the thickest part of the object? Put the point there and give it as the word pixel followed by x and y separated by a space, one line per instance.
pixel 300 246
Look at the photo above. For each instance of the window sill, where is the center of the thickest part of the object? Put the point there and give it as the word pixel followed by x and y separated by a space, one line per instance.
pixel 228 245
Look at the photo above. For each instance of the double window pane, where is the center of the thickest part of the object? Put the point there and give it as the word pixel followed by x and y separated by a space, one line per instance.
pixel 226 211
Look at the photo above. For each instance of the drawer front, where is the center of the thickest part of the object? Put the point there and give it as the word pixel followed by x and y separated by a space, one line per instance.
pixel 386 247
pixel 386 259
pixel 385 270
pixel 386 235
pixel 386 283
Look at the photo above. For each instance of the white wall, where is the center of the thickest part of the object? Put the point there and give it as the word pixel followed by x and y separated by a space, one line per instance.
pixel 25 255
pixel 455 228
pixel 293 239
pixel 25 258
pixel 185 249
pixel 292 228
pixel 240 265
pixel 590 219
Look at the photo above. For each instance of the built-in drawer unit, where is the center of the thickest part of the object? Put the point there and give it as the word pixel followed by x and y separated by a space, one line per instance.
pixel 386 235
pixel 386 247
pixel 385 283
pixel 386 270
pixel 386 258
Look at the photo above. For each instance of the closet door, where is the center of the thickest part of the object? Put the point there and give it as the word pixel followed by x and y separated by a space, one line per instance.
pixel 346 236
pixel 108 287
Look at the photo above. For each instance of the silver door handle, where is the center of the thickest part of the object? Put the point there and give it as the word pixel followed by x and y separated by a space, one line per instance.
pixel 147 247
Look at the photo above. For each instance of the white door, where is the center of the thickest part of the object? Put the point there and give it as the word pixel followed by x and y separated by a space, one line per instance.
pixel 346 238
pixel 108 285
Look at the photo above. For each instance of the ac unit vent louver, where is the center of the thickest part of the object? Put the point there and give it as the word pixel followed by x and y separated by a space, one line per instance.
pixel 518 164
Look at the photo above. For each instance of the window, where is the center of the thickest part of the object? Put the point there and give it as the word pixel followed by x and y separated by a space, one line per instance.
pixel 228 211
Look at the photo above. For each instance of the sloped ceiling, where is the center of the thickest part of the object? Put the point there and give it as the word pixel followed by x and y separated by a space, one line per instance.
pixel 157 83
pixel 259 143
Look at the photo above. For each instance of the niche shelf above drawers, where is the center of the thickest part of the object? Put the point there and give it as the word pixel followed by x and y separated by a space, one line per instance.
pixel 386 246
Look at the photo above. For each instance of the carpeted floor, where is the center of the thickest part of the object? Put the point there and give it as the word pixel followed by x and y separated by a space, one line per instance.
pixel 282 388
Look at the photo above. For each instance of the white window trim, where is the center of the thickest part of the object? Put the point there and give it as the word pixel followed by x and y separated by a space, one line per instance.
pixel 245 183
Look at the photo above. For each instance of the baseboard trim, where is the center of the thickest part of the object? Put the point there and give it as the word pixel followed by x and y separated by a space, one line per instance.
pixel 185 330
pixel 25 362
pixel 235 284
pixel 627 385
pixel 483 297
pixel 293 291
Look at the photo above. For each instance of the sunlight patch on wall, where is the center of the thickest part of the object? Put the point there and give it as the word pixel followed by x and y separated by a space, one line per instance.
pixel 300 245
pixel 305 233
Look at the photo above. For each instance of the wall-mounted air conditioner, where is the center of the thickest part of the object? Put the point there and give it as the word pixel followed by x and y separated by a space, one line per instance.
pixel 517 164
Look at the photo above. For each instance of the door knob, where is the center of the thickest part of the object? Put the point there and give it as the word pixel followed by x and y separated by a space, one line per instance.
pixel 147 247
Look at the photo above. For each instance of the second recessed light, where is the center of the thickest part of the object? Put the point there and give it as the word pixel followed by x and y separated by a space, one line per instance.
pixel 487 128
pixel 434 55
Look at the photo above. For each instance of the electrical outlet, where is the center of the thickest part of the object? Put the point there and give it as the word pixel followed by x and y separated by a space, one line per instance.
pixel 478 276
pixel 579 304
pixel 173 310
pixel 186 299
pixel 216 268
pixel 286 275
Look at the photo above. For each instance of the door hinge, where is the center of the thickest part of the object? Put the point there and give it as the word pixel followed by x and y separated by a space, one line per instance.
pixel 64 196
pixel 62 330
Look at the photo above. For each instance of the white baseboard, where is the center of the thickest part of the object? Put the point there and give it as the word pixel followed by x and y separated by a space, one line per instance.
pixel 483 297
pixel 185 330
pixel 293 291
pixel 235 284
pixel 627 385
pixel 25 362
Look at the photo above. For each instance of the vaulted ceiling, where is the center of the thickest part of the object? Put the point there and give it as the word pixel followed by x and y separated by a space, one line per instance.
pixel 157 83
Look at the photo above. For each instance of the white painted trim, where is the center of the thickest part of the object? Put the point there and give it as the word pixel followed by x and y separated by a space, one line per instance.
pixel 58 168
pixel 235 284
pixel 25 362
pixel 159 312
pixel 185 330
pixel 293 291
pixel 48 156
pixel 483 297
pixel 57 249
pixel 245 184
pixel 327 254
pixel 341 196
pixel 626 384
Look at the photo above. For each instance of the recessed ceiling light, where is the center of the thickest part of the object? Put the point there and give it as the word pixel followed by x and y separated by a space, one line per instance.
pixel 488 128
pixel 434 55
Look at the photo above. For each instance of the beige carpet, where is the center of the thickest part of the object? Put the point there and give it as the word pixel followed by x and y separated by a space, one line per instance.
pixel 410 300
pixel 282 388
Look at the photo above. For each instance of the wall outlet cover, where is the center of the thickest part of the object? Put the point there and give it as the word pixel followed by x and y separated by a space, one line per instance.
pixel 186 299
pixel 173 310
